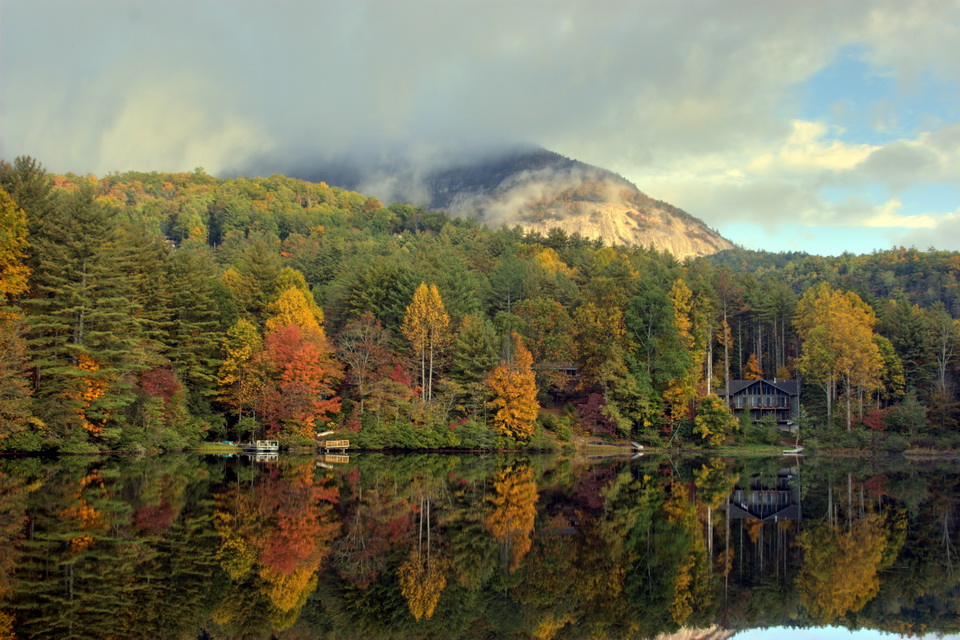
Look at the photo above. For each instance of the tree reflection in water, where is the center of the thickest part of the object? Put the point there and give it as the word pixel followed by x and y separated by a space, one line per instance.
pixel 439 546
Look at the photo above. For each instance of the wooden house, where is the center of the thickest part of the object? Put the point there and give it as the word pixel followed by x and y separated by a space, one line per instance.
pixel 779 398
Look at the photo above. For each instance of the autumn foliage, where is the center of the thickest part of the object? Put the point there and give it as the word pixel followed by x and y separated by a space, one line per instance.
pixel 513 388
pixel 299 381
pixel 840 568
pixel 514 510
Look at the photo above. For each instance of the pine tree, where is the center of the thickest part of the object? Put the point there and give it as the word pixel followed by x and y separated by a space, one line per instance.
pixel 27 182
pixel 475 352
pixel 193 339
pixel 85 338
pixel 144 258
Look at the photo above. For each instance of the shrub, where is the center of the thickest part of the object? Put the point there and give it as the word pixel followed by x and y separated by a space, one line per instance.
pixel 559 426
pixel 895 443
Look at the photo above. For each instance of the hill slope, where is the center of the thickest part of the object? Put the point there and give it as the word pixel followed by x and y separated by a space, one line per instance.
pixel 539 190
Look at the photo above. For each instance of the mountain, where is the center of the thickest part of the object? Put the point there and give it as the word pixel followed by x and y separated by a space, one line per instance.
pixel 541 189
pixel 535 188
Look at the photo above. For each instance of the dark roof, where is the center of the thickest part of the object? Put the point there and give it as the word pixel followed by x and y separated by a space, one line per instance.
pixel 738 512
pixel 790 387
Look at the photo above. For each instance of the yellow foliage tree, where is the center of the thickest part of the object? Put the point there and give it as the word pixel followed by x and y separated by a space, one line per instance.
pixel 690 587
pixel 422 581
pixel 714 420
pixel 514 511
pixel 836 329
pixel 241 343
pixel 293 306
pixel 13 248
pixel 427 326
pixel 513 388
pixel 550 260
pixel 840 568
pixel 681 390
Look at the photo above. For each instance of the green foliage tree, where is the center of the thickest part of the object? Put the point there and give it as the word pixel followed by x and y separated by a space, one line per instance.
pixel 85 338
pixel 714 420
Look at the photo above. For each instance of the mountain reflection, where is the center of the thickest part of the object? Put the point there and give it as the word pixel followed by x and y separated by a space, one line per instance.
pixel 441 546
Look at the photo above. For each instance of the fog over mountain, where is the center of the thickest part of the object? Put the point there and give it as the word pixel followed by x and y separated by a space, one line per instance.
pixel 824 126
pixel 520 185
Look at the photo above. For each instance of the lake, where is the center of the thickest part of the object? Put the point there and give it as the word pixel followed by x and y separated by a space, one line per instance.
pixel 471 546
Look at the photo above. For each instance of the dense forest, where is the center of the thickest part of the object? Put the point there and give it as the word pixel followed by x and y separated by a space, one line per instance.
pixel 151 311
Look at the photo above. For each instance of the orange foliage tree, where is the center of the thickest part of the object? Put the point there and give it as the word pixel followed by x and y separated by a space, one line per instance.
pixel 513 386
pixel 752 370
pixel 514 511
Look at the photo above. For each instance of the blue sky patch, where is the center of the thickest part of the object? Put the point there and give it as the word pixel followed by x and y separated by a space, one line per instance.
pixel 874 106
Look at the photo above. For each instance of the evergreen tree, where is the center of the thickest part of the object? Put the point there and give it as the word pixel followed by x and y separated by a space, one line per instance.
pixel 85 338
pixel 475 352
pixel 195 328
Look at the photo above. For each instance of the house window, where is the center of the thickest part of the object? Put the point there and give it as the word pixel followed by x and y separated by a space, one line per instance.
pixel 782 402
pixel 738 402
pixel 754 402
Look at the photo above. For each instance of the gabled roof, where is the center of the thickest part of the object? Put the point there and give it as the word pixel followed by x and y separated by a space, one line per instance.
pixel 790 387
pixel 738 512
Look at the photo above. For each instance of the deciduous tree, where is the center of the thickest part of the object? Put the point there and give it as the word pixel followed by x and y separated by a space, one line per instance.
pixel 513 388
pixel 426 325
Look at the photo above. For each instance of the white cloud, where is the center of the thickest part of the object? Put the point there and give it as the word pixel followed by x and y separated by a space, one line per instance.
pixel 806 149
pixel 697 102
pixel 944 234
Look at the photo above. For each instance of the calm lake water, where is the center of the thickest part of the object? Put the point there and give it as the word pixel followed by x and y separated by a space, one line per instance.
pixel 448 546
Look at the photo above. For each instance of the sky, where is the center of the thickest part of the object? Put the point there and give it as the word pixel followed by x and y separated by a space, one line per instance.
pixel 830 633
pixel 787 126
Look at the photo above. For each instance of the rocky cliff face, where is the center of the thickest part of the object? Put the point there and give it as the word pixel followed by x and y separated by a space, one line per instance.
pixel 540 190
pixel 711 633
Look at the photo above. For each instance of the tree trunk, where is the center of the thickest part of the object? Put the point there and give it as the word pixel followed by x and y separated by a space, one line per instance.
pixel 828 388
pixel 726 350
pixel 848 402
pixel 430 384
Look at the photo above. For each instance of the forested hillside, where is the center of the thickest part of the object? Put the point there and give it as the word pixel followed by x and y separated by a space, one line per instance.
pixel 153 311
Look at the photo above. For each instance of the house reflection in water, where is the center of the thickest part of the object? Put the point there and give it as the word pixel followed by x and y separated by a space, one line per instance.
pixel 763 516
pixel 767 500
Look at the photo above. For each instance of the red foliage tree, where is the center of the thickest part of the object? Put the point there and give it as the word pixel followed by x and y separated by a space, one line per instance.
pixel 300 383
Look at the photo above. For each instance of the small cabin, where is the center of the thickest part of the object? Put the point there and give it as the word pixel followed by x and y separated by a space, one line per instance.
pixel 779 398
